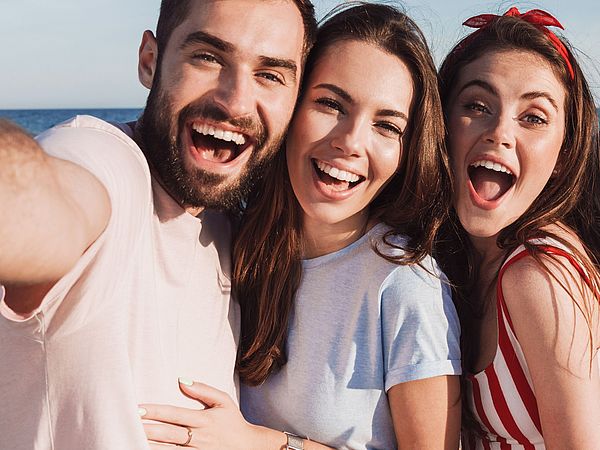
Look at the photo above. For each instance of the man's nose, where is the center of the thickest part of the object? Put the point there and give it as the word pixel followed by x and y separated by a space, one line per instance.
pixel 235 93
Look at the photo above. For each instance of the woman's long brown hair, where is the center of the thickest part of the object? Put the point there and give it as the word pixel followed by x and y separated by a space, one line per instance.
pixel 268 248
pixel 571 196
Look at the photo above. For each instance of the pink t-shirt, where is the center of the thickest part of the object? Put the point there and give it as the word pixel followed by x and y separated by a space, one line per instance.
pixel 147 303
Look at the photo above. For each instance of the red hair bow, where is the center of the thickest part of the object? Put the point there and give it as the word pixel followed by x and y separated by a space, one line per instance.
pixel 537 17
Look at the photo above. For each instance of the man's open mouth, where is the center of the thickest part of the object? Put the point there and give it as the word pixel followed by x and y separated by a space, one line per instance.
pixel 337 179
pixel 490 180
pixel 218 144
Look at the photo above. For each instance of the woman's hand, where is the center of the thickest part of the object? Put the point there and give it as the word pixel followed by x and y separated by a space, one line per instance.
pixel 219 426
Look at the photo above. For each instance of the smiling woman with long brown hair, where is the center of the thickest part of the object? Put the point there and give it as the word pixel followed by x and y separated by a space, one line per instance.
pixel 524 244
pixel 349 335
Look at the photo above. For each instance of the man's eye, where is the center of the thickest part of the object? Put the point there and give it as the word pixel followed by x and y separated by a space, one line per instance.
pixel 271 77
pixel 205 57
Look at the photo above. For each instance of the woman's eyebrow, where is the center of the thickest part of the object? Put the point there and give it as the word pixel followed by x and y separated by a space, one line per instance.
pixel 480 83
pixel 537 94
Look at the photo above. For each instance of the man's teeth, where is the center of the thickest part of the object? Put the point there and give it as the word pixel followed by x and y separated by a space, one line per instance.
pixel 492 166
pixel 225 135
pixel 336 173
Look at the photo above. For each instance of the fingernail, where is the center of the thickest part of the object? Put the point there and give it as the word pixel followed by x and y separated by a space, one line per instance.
pixel 186 381
pixel 142 411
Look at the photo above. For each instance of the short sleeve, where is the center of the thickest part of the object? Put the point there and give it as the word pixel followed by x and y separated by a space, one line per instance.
pixel 105 151
pixel 420 327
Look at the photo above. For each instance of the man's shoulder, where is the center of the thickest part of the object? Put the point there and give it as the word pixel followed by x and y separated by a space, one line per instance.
pixel 103 148
pixel 80 127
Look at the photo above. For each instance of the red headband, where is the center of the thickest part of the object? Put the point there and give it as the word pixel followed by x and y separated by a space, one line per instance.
pixel 537 17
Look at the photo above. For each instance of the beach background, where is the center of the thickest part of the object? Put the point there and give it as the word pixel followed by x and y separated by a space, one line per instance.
pixel 69 57
pixel 37 120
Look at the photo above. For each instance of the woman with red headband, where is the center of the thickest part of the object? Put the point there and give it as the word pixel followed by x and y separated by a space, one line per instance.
pixel 524 245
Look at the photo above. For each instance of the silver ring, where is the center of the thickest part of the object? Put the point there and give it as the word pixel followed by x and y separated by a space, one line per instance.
pixel 189 439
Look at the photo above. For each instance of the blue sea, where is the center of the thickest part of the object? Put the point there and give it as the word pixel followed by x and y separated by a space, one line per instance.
pixel 37 120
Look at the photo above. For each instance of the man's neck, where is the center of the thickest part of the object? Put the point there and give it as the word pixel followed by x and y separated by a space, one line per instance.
pixel 137 137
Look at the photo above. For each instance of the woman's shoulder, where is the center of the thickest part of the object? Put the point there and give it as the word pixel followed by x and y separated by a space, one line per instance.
pixel 549 289
pixel 559 250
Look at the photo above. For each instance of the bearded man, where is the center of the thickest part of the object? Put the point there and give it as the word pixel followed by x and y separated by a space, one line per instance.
pixel 115 242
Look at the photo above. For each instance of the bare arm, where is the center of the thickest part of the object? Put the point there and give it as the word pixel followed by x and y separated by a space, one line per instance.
pixel 53 210
pixel 556 339
pixel 426 413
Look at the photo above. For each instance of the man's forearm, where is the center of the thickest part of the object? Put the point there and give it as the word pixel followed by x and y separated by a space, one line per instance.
pixel 44 226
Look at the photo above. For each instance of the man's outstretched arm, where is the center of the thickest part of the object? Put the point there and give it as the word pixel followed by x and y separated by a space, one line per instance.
pixel 52 211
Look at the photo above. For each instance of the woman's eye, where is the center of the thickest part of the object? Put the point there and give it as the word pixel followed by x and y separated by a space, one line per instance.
pixel 330 103
pixel 535 119
pixel 476 106
pixel 389 129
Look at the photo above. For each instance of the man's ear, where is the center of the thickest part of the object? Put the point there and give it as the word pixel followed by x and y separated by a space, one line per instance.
pixel 147 58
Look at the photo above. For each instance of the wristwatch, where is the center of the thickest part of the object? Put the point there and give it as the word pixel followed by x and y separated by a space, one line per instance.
pixel 294 442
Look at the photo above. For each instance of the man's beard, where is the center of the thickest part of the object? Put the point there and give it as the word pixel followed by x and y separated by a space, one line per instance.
pixel 160 132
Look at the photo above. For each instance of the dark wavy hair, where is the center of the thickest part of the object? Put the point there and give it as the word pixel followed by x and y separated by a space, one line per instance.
pixel 570 197
pixel 268 248
pixel 174 12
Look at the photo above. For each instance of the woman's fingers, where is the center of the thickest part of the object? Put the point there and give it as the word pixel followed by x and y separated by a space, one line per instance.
pixel 167 433
pixel 159 446
pixel 171 414
pixel 205 394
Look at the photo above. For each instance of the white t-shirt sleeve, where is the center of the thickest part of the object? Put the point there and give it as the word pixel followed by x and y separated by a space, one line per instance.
pixel 420 326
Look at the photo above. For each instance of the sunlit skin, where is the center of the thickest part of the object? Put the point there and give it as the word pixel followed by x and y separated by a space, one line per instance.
pixel 344 145
pixel 247 66
pixel 507 108
pixel 351 120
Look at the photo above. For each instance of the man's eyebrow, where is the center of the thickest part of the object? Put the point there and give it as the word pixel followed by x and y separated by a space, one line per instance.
pixel 201 37
pixel 288 64
pixel 537 94
pixel 482 84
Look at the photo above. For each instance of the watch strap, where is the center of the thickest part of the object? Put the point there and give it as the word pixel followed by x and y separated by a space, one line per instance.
pixel 294 442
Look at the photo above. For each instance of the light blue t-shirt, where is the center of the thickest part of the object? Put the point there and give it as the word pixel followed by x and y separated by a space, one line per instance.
pixel 360 326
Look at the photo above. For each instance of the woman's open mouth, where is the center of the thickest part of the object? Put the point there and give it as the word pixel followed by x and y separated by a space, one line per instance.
pixel 490 180
pixel 335 179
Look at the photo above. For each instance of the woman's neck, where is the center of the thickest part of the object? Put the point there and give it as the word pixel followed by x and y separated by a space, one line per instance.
pixel 324 238
pixel 486 251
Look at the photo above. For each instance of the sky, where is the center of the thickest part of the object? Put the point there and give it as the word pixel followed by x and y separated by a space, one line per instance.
pixel 83 53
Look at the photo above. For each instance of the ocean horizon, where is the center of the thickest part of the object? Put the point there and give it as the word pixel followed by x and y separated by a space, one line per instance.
pixel 36 121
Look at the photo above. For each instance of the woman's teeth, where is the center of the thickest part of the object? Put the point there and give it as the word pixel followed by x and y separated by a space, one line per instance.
pixel 492 166
pixel 336 173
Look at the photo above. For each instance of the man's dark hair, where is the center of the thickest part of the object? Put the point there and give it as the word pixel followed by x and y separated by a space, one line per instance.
pixel 174 12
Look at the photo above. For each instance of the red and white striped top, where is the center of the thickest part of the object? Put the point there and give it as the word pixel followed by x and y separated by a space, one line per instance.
pixel 501 396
